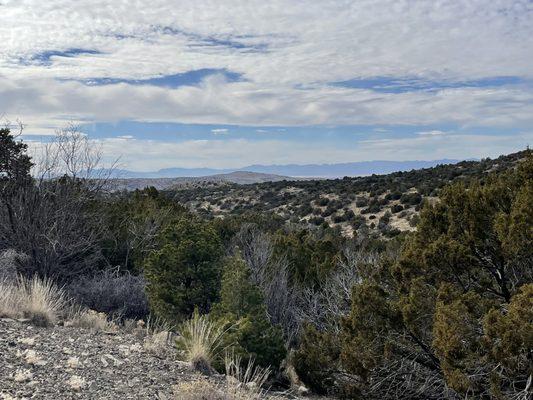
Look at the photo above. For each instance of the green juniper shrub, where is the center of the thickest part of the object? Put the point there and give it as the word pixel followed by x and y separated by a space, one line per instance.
pixel 349 215
pixel 457 304
pixel 414 220
pixel 322 202
pixel 339 218
pixel 241 307
pixel 133 222
pixel 184 272
pixel 316 221
pixel 316 359
pixel 361 202
pixel 310 257
pixel 396 208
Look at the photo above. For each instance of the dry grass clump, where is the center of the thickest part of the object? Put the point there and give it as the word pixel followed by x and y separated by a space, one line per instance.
pixel 157 343
pixel 200 390
pixel 242 383
pixel 245 381
pixel 39 300
pixel 8 301
pixel 92 320
pixel 200 341
pixel 157 335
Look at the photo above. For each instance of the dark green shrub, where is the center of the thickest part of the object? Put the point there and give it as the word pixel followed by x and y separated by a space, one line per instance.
pixel 316 221
pixel 339 218
pixel 361 202
pixel 241 306
pixel 322 202
pixel 184 272
pixel 396 208
pixel 316 360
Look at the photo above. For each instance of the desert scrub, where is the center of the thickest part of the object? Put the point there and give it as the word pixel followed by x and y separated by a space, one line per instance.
pixel 39 300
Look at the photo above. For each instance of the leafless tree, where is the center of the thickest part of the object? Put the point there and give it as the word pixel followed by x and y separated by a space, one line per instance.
pixel 324 307
pixel 55 219
pixel 271 275
pixel 292 306
pixel 72 154
pixel 404 378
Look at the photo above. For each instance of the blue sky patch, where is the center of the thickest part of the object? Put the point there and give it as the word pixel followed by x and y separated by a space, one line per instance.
pixel 340 134
pixel 45 57
pixel 189 78
pixel 387 84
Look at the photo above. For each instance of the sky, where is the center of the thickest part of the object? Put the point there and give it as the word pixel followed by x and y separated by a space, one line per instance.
pixel 225 84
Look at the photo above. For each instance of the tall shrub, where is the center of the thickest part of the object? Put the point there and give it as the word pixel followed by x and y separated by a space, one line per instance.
pixel 184 272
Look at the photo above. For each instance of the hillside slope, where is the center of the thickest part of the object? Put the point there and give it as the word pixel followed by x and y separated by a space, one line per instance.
pixel 382 205
pixel 74 363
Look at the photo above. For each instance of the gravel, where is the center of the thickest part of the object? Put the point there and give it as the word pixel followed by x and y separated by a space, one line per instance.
pixel 72 363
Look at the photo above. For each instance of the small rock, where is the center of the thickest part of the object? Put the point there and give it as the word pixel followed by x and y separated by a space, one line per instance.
pixel 76 383
pixel 104 362
pixel 116 361
pixel 22 375
pixel 302 391
pixel 29 341
pixel 31 357
pixel 74 362
pixel 137 348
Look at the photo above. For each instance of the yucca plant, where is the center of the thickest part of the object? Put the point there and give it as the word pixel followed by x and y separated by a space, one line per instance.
pixel 200 341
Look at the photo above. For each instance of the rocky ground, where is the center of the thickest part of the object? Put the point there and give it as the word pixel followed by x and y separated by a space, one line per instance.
pixel 73 363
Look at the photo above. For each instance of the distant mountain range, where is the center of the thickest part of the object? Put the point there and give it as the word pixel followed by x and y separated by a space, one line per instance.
pixel 240 177
pixel 363 168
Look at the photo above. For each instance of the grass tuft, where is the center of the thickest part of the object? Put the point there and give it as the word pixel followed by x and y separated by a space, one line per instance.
pixel 200 342
pixel 242 383
pixel 92 320
pixel 39 300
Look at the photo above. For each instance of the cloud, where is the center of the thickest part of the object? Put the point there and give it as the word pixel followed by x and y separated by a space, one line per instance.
pixel 44 103
pixel 189 78
pixel 219 131
pixel 431 133
pixel 431 41
pixel 380 63
pixel 402 85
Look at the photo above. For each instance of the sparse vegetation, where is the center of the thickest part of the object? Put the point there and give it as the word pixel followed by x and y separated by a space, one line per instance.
pixel 111 292
pixel 364 196
pixel 409 285
pixel 92 320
